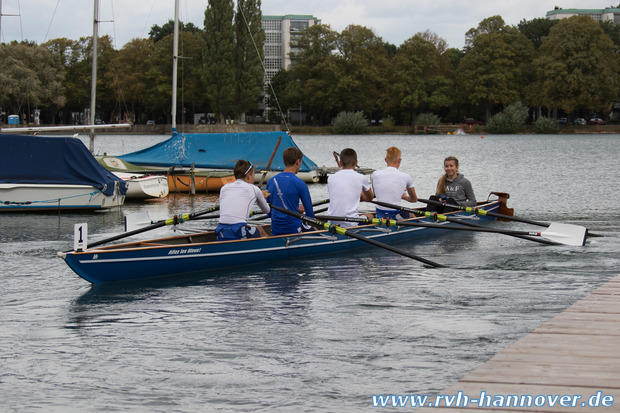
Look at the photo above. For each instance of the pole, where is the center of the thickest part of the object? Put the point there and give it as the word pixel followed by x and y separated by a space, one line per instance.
pixel 175 60
pixel 93 83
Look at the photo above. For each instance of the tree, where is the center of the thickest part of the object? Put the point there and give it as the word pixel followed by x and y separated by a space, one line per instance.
pixel 130 81
pixel 366 70
pixel 496 68
pixel 536 29
pixel 314 73
pixel 158 78
pixel 219 73
pixel 30 76
pixel 158 33
pixel 249 73
pixel 577 68
pixel 493 24
pixel 612 30
pixel 422 76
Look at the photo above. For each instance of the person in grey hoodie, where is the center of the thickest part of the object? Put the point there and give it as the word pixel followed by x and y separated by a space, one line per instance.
pixel 453 188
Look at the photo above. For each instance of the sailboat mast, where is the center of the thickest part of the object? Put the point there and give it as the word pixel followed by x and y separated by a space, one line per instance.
pixel 93 84
pixel 175 60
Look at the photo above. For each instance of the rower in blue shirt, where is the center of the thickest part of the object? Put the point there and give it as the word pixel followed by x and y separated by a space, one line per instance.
pixel 286 190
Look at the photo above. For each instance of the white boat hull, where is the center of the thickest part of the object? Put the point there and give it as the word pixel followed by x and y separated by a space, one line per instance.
pixel 41 197
pixel 144 186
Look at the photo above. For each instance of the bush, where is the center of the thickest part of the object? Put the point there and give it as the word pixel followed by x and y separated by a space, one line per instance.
pixel 547 125
pixel 510 120
pixel 427 119
pixel 350 123
pixel 388 122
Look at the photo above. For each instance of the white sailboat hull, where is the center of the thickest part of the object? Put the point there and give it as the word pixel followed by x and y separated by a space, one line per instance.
pixel 144 186
pixel 41 197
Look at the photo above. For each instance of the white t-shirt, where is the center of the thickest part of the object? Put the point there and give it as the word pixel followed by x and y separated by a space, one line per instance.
pixel 345 188
pixel 389 184
pixel 237 200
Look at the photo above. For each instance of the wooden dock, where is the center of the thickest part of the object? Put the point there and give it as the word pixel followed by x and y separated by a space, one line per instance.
pixel 576 352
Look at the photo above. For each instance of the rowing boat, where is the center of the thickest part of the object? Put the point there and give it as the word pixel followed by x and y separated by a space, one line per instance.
pixel 200 252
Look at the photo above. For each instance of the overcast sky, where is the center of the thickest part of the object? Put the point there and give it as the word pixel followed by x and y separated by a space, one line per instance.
pixel 393 20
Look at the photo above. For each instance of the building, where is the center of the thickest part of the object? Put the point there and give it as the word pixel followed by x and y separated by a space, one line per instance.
pixel 280 34
pixel 599 15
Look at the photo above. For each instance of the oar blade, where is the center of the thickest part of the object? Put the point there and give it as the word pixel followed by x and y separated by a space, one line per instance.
pixel 137 220
pixel 568 234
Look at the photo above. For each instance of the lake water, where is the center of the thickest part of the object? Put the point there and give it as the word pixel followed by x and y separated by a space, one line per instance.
pixel 314 335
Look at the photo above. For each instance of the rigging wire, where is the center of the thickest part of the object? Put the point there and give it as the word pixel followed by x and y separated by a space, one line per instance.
pixel 19 11
pixel 262 62
pixel 147 19
pixel 51 20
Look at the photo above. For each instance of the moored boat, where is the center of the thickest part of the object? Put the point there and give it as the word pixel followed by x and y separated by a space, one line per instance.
pixel 200 252
pixel 143 186
pixel 218 153
pixel 54 173
pixel 177 179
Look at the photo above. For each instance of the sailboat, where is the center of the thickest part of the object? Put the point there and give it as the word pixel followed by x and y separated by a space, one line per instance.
pixel 212 156
pixel 56 173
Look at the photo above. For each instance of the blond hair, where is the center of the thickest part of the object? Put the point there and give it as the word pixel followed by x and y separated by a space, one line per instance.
pixel 392 154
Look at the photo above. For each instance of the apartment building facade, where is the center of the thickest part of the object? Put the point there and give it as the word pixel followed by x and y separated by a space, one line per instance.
pixel 607 14
pixel 280 34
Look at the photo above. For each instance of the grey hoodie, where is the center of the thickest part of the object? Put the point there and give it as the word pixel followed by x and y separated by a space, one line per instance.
pixel 461 191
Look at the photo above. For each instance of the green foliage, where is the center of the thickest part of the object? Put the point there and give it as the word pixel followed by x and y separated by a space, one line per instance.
pixel 490 25
pixel 349 123
pixel 29 75
pixel 547 125
pixel 314 74
pixel 249 75
pixel 427 119
pixel 422 76
pixel 388 122
pixel 365 69
pixel 536 29
pixel 577 68
pixel 570 64
pixel 157 33
pixel 219 50
pixel 510 120
pixel 496 71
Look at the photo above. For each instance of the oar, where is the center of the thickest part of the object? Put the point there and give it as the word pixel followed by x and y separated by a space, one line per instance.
pixel 352 234
pixel 273 154
pixel 263 216
pixel 493 214
pixel 574 234
pixel 555 232
pixel 177 219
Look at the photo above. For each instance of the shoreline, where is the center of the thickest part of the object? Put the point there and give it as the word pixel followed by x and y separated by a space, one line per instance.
pixel 165 129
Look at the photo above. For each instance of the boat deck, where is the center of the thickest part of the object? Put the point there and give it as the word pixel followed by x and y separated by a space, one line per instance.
pixel 574 353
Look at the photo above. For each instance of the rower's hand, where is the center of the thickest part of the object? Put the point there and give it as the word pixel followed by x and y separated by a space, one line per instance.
pixel 265 193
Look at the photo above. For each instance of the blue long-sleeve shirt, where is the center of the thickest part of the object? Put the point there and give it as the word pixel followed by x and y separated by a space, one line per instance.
pixel 285 191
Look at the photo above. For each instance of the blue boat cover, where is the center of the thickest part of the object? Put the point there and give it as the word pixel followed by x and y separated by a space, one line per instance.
pixel 52 160
pixel 218 151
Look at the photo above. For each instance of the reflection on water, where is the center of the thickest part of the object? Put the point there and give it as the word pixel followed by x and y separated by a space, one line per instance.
pixel 317 334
